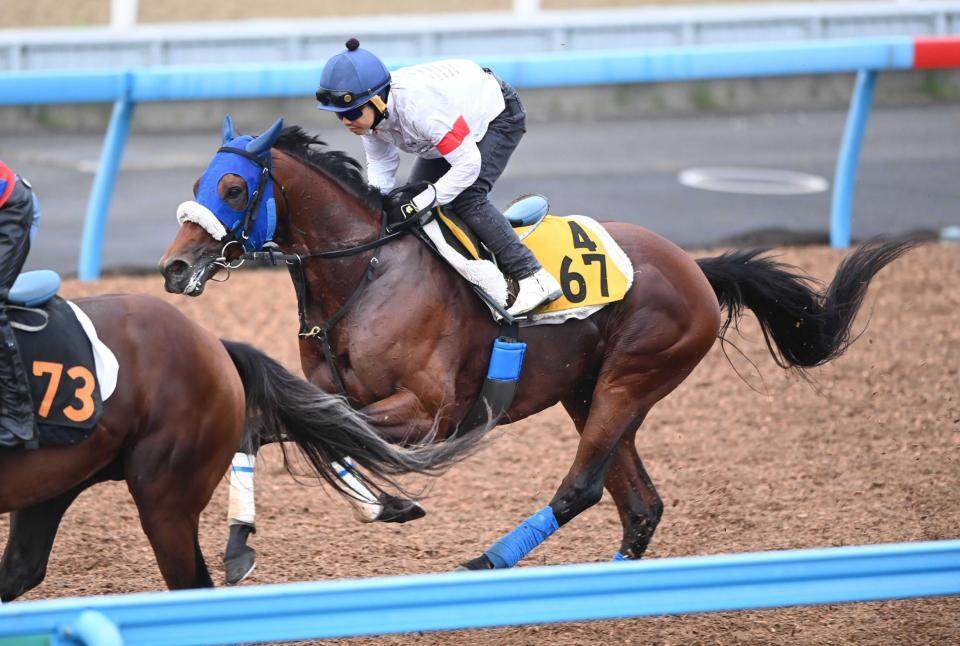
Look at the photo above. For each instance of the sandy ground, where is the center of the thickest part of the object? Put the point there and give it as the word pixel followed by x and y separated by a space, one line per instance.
pixel 869 455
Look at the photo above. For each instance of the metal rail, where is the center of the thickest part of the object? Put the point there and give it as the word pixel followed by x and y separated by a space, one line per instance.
pixel 458 600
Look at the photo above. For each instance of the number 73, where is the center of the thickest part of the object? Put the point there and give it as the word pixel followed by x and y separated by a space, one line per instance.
pixel 84 394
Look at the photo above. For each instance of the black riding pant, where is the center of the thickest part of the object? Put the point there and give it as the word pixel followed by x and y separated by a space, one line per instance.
pixel 16 407
pixel 473 205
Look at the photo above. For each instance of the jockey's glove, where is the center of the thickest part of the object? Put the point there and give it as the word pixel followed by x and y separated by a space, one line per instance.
pixel 403 211
pixel 403 205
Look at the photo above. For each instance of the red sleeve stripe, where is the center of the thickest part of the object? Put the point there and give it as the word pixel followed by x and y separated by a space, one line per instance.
pixel 7 181
pixel 452 140
pixel 932 53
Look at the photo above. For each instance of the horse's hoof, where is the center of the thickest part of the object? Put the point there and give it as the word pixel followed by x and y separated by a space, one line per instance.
pixel 479 563
pixel 239 566
pixel 399 510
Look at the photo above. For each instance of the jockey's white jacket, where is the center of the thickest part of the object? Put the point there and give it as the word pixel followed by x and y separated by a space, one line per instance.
pixel 433 110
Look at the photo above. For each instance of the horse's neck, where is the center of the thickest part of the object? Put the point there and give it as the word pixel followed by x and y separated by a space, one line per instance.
pixel 325 217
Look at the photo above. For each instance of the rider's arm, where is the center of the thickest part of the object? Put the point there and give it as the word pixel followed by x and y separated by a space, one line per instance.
pixel 459 149
pixel 383 159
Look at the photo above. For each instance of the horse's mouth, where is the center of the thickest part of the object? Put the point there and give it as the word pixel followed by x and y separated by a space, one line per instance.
pixel 201 273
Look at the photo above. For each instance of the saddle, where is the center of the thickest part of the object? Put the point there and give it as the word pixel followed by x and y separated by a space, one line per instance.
pixel 592 269
pixel 71 372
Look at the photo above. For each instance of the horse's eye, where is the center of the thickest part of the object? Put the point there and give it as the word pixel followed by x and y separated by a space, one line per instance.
pixel 234 191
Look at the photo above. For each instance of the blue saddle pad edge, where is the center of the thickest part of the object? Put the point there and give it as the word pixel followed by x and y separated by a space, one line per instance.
pixel 33 288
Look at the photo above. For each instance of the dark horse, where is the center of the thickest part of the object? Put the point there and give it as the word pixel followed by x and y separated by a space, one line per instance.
pixel 413 345
pixel 170 429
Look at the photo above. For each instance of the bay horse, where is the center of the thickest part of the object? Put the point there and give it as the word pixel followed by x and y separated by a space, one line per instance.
pixel 409 340
pixel 170 428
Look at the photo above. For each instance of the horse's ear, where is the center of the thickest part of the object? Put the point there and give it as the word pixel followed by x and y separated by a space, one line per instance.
pixel 265 141
pixel 228 133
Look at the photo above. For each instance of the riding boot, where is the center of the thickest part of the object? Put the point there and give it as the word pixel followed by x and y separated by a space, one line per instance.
pixel 17 423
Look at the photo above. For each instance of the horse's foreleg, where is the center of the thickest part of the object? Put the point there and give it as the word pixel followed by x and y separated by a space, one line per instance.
pixel 239 559
pixel 401 418
pixel 32 532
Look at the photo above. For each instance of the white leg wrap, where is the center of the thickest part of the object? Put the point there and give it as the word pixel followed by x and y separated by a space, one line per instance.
pixel 242 509
pixel 366 507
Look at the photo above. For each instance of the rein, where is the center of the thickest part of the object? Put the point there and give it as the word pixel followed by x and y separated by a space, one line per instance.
pixel 295 262
pixel 321 333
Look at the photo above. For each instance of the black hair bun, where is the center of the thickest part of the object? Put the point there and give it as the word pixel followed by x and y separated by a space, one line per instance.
pixel 353 44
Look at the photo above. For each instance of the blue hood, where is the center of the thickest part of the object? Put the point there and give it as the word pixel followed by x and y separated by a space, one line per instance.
pixel 264 219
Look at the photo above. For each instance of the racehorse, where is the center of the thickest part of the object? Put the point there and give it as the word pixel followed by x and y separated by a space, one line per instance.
pixel 169 429
pixel 408 340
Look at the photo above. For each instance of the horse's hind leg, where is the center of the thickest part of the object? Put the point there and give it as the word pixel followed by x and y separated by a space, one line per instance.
pixel 32 532
pixel 621 400
pixel 637 500
pixel 169 499
pixel 173 534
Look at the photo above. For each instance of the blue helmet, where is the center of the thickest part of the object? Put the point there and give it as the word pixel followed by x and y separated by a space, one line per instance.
pixel 351 78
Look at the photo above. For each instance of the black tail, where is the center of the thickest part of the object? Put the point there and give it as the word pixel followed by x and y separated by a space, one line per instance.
pixel 325 428
pixel 802 327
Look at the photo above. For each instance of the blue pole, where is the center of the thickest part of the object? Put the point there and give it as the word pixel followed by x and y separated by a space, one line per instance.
pixel 507 597
pixel 841 209
pixel 90 628
pixel 103 182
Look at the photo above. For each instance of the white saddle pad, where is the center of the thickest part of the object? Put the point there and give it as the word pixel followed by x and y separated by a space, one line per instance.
pixel 107 366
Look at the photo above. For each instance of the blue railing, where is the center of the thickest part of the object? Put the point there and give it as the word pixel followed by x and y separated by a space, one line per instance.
pixel 126 88
pixel 460 600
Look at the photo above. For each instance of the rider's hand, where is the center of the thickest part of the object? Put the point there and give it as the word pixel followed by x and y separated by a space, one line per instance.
pixel 407 201
pixel 403 211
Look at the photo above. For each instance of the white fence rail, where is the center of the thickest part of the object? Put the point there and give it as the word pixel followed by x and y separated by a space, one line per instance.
pixel 469 35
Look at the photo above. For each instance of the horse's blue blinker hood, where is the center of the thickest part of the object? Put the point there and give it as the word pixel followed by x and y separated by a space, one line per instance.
pixel 249 158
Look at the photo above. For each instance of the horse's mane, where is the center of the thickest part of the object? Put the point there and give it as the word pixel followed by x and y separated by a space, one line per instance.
pixel 342 167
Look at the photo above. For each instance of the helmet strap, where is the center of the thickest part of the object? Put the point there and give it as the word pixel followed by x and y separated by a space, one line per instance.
pixel 379 103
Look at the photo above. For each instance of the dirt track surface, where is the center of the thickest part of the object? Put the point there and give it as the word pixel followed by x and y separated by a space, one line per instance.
pixel 869 455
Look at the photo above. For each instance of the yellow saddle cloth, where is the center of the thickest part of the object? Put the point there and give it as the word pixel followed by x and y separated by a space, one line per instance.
pixel 590 266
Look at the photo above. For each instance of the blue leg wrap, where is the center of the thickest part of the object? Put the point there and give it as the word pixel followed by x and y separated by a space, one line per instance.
pixel 620 557
pixel 508 551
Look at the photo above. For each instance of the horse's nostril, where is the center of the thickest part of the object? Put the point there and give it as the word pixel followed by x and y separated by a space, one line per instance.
pixel 176 268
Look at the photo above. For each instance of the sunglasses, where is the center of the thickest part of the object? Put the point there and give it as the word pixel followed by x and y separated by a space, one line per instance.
pixel 350 115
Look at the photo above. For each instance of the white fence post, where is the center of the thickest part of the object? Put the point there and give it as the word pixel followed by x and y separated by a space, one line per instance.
pixel 526 7
pixel 123 14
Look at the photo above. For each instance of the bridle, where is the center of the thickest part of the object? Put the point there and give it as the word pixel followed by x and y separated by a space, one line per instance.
pixel 240 235
pixel 388 232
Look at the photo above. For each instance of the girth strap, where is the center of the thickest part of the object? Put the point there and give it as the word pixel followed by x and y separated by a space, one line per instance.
pixel 322 332
pixel 495 396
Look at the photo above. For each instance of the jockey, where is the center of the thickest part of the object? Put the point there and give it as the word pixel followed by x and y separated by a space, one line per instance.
pixel 17 209
pixel 462 123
